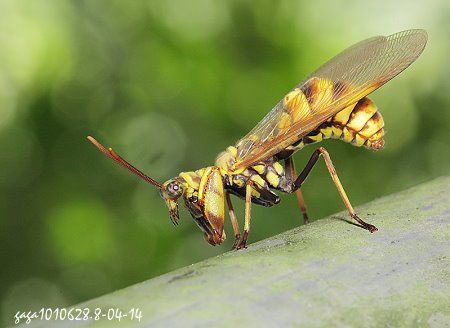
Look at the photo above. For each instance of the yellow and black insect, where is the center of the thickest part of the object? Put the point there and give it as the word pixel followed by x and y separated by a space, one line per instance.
pixel 330 103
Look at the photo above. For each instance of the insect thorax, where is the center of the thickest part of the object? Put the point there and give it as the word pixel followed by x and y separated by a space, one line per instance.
pixel 191 181
pixel 263 176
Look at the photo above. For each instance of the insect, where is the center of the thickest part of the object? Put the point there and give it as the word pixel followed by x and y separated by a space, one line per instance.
pixel 332 103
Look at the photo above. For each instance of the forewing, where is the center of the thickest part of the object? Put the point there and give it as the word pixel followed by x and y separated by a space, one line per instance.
pixel 339 83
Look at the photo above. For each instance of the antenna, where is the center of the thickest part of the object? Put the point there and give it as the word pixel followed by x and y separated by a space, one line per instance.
pixel 119 160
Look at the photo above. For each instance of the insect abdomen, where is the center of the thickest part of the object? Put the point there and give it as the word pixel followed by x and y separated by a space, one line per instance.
pixel 363 126
pixel 360 124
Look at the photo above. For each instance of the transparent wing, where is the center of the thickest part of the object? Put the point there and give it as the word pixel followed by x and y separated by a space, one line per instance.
pixel 339 83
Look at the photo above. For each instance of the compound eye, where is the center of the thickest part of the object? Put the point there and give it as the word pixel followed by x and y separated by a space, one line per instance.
pixel 173 189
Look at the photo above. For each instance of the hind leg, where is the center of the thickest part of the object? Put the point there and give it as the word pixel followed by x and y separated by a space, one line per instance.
pixel 290 172
pixel 304 174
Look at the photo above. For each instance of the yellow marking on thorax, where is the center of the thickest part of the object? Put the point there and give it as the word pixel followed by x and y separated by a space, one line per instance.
pixel 258 180
pixel 227 158
pixel 200 172
pixel 259 168
pixel 205 176
pixel 238 182
pixel 278 168
pixel 337 131
pixel 273 179
pixel 256 193
pixel 327 132
pixel 191 178
pixel 316 138
pixel 191 192
pixel 232 150
pixel 239 170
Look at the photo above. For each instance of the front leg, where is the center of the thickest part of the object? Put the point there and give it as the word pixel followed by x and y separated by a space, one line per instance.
pixel 234 222
pixel 248 203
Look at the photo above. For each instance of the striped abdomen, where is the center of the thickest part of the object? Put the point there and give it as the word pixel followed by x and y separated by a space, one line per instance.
pixel 360 124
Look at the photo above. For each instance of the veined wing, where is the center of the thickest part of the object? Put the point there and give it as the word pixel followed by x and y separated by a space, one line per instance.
pixel 339 83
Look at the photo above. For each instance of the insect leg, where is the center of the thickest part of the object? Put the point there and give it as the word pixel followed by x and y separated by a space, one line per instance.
pixel 304 174
pixel 248 203
pixel 290 172
pixel 234 222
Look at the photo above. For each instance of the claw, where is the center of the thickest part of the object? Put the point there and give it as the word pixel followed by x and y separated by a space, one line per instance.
pixel 237 239
pixel 371 228
pixel 305 218
pixel 241 243
pixel 365 225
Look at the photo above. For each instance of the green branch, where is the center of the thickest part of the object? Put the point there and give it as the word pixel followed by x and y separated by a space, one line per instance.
pixel 328 273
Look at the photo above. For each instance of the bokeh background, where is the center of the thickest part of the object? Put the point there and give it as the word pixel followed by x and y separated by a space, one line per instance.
pixel 170 84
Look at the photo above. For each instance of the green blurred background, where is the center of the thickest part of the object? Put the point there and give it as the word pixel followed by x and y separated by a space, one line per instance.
pixel 169 84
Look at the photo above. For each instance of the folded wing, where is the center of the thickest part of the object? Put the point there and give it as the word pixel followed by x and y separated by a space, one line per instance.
pixel 339 83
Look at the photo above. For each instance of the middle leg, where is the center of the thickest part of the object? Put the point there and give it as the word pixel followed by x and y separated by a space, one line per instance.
pixel 248 206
